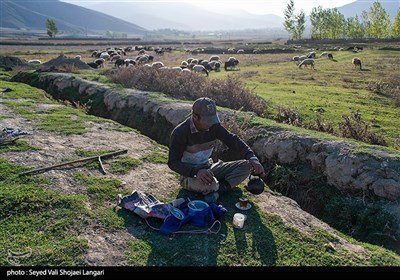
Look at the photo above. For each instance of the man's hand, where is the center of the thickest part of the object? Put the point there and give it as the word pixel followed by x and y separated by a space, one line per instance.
pixel 205 176
pixel 257 167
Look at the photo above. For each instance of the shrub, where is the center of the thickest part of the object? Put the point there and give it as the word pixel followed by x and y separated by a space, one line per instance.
pixel 355 127
pixel 288 115
pixel 389 88
pixel 367 221
pixel 190 86
pixel 319 124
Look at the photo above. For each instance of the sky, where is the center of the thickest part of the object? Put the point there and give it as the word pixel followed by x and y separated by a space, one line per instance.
pixel 253 6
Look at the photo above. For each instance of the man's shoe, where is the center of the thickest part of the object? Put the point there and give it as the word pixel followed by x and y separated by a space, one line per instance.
pixel 211 197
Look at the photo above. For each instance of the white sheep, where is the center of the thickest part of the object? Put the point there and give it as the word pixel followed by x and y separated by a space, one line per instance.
pixel 200 68
pixel 311 55
pixel 302 57
pixel 99 61
pixel 116 57
pixel 34 61
pixel 214 57
pixel 105 55
pixel 157 65
pixel 327 54
pixel 323 54
pixel 306 62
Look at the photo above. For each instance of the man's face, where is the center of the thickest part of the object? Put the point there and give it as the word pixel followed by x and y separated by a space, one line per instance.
pixel 200 124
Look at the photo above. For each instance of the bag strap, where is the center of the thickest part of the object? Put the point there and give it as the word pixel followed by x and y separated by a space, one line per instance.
pixel 209 230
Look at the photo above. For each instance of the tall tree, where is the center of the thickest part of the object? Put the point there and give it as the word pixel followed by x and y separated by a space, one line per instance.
pixel 52 29
pixel 294 24
pixel 316 18
pixel 289 22
pixel 336 24
pixel 380 21
pixel 354 28
pixel 366 23
pixel 396 25
pixel 300 26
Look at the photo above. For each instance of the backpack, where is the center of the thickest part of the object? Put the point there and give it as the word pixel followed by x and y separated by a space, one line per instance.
pixel 174 214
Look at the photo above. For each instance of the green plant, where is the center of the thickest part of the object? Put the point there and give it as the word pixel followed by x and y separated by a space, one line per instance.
pixel 52 28
pixel 354 126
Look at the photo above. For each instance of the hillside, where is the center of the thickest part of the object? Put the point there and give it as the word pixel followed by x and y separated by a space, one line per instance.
pixel 183 16
pixel 32 15
pixel 357 7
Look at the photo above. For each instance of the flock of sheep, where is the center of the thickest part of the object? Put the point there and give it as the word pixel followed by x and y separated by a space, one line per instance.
pixel 118 56
pixel 309 59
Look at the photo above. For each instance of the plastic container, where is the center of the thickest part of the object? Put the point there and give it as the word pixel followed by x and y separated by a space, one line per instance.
pixel 196 206
pixel 238 220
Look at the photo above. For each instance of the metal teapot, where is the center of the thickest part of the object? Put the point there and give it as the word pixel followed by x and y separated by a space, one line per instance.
pixel 255 184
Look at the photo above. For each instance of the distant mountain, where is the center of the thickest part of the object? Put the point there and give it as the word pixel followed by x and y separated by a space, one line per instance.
pixel 183 16
pixel 32 15
pixel 357 7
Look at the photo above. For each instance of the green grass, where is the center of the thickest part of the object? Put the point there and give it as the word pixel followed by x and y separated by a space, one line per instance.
pixel 124 164
pixel 18 145
pixel 42 223
pixel 119 165
pixel 158 155
pixel 23 91
pixel 334 86
pixel 264 241
pixel 99 189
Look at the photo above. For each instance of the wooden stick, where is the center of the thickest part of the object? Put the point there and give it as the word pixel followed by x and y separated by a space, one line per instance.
pixel 74 161
pixel 101 166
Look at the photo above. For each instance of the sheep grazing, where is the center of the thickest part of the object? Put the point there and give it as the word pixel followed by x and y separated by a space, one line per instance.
pixel 130 62
pixel 232 63
pixel 119 62
pixel 200 68
pixel 327 54
pixel 157 64
pixel 311 55
pixel 100 62
pixel 93 65
pixel 214 58
pixel 306 62
pixel 34 61
pixel 356 62
pixel 323 54
pixel 116 57
pixel 215 65
pixel 79 57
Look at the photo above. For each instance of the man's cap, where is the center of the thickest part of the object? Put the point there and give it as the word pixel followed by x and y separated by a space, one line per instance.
pixel 207 110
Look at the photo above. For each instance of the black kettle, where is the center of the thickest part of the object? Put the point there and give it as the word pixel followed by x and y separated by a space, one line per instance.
pixel 255 184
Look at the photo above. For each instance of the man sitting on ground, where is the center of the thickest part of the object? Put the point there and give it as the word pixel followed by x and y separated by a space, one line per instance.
pixel 192 143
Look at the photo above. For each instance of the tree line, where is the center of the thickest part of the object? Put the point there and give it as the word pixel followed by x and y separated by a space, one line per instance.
pixel 331 24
